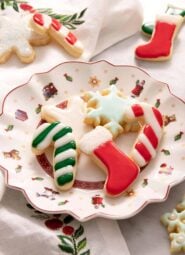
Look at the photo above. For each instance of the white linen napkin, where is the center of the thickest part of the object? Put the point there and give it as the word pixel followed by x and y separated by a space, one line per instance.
pixel 106 23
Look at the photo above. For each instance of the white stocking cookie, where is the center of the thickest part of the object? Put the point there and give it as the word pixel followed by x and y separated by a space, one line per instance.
pixel 65 153
pixel 121 170
pixel 17 37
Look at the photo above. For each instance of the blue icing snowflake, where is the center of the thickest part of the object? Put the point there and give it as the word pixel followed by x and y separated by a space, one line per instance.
pixel 108 108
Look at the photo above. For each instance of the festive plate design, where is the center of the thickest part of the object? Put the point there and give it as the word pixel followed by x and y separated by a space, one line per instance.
pixel 23 171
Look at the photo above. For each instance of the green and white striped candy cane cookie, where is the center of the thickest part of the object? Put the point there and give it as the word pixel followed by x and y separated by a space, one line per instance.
pixel 65 152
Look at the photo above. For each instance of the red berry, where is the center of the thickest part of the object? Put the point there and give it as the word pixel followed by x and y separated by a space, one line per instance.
pixel 68 230
pixel 53 224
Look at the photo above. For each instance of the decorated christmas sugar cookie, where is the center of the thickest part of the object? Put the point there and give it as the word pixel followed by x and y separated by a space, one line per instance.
pixel 172 9
pixel 109 108
pixel 160 46
pixel 174 222
pixel 121 170
pixel 65 152
pixel 17 37
pixel 72 115
pixel 44 24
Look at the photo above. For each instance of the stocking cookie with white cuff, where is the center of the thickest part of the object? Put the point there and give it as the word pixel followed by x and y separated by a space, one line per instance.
pixel 173 8
pixel 121 114
pixel 121 170
pixel 160 46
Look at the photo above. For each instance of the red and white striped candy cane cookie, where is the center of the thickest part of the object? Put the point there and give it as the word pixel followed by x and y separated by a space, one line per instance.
pixel 42 24
pixel 149 137
pixel 45 24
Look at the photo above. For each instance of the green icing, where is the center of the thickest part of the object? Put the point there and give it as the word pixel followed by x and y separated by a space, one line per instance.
pixel 62 133
pixel 43 134
pixel 147 28
pixel 182 13
pixel 66 162
pixel 63 179
pixel 67 146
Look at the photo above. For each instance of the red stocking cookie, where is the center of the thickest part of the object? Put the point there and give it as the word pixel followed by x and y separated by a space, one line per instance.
pixel 121 170
pixel 160 46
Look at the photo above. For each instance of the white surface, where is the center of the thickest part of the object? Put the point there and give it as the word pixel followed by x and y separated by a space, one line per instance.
pixel 144 233
pixel 12 209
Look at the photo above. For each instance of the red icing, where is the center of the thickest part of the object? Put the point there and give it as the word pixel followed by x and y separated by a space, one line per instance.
pixel 27 7
pixel 71 38
pixel 143 151
pixel 63 105
pixel 56 24
pixel 160 44
pixel 138 110
pixel 150 134
pixel 121 170
pixel 38 18
pixel 158 116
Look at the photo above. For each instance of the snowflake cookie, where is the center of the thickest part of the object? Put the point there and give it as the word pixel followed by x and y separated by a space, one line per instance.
pixel 17 36
pixel 175 224
pixel 107 108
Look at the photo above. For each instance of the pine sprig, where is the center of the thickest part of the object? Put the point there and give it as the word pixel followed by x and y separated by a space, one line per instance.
pixel 69 21
pixel 13 3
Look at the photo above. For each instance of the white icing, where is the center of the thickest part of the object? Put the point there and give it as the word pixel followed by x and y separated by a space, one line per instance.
pixel 142 138
pixel 47 21
pixel 171 19
pixel 15 33
pixel 65 139
pixel 66 154
pixel 72 116
pixel 135 155
pixel 62 171
pixel 94 139
pixel 62 32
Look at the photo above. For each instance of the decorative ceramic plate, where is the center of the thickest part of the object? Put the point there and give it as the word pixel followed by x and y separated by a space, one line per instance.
pixel 86 200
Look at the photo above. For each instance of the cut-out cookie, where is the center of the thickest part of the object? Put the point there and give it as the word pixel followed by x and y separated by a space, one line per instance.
pixel 118 114
pixel 65 152
pixel 175 224
pixel 44 24
pixel 73 115
pixel 17 36
pixel 172 9
pixel 107 108
pixel 121 170
pixel 160 46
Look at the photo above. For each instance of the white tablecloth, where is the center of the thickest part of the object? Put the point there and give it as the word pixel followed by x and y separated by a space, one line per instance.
pixel 143 232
